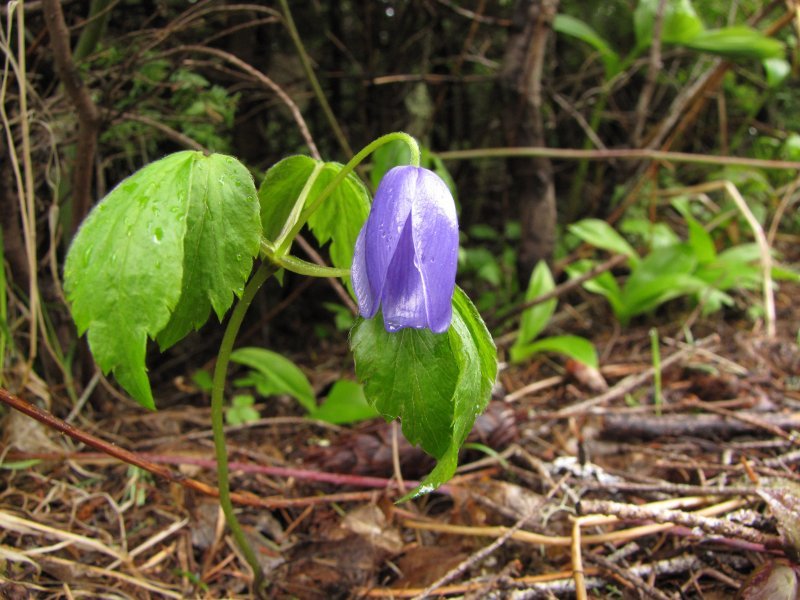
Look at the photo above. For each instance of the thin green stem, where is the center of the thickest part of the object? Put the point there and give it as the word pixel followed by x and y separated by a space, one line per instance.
pixel 312 78
pixel 283 248
pixel 657 397
pixel 297 209
pixel 264 272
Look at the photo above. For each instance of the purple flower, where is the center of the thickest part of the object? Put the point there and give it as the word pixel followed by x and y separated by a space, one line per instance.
pixel 406 254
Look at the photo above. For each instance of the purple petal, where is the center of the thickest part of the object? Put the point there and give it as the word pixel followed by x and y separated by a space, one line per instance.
pixel 367 302
pixel 389 213
pixel 434 224
pixel 403 299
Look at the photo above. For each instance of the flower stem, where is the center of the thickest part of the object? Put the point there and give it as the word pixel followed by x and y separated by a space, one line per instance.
pixel 264 272
pixel 414 161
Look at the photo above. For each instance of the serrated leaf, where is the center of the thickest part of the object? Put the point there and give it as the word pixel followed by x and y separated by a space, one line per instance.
pixel 148 257
pixel 222 238
pixel 337 220
pixel 411 374
pixel 783 498
pixel 340 217
pixel 123 272
pixel 535 318
pixel 571 346
pixel 437 384
pixel 279 191
pixel 472 345
pixel 282 375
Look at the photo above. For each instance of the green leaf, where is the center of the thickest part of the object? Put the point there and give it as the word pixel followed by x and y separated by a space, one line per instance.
pixel 700 240
pixel 680 22
pixel 535 319
pixel 280 190
pixel 410 374
pixel 124 270
pixel 473 346
pixel 578 29
pixel 280 374
pixel 739 42
pixel 386 157
pixel 466 313
pixel 604 284
pixel 572 346
pixel 340 217
pixel 601 235
pixel 436 383
pixel 777 70
pixel 222 237
pixel 346 403
pixel 241 410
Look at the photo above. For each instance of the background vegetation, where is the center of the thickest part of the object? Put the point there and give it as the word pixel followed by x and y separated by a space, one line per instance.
pixel 660 191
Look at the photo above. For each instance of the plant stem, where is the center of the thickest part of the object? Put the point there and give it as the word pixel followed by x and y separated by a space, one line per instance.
pixel 264 272
pixel 312 78
pixel 656 353
pixel 618 153
pixel 344 172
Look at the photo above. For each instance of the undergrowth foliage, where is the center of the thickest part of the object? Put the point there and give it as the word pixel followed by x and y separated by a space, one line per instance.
pixel 178 238
pixel 703 88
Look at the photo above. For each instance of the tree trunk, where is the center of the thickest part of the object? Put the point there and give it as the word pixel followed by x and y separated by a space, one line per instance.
pixel 532 178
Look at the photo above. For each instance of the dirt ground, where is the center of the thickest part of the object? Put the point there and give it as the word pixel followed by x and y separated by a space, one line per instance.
pixel 577 483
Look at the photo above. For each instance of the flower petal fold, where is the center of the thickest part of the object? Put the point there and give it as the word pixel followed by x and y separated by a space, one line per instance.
pixel 434 224
pixel 406 254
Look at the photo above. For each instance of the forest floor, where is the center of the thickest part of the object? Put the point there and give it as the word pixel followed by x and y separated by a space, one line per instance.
pixel 592 486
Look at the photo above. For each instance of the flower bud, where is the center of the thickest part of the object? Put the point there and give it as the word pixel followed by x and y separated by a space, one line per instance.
pixel 406 254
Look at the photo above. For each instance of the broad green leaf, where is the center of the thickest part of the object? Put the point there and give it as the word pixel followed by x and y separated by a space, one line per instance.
pixel 535 319
pixel 340 217
pixel 281 375
pixel 600 234
pixel 345 403
pixel 680 22
pixel 222 237
pixel 436 384
pixel 280 190
pixel 578 29
pixel 466 312
pixel 123 272
pixel 571 346
pixel 739 42
pixel 472 345
pixel 411 374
